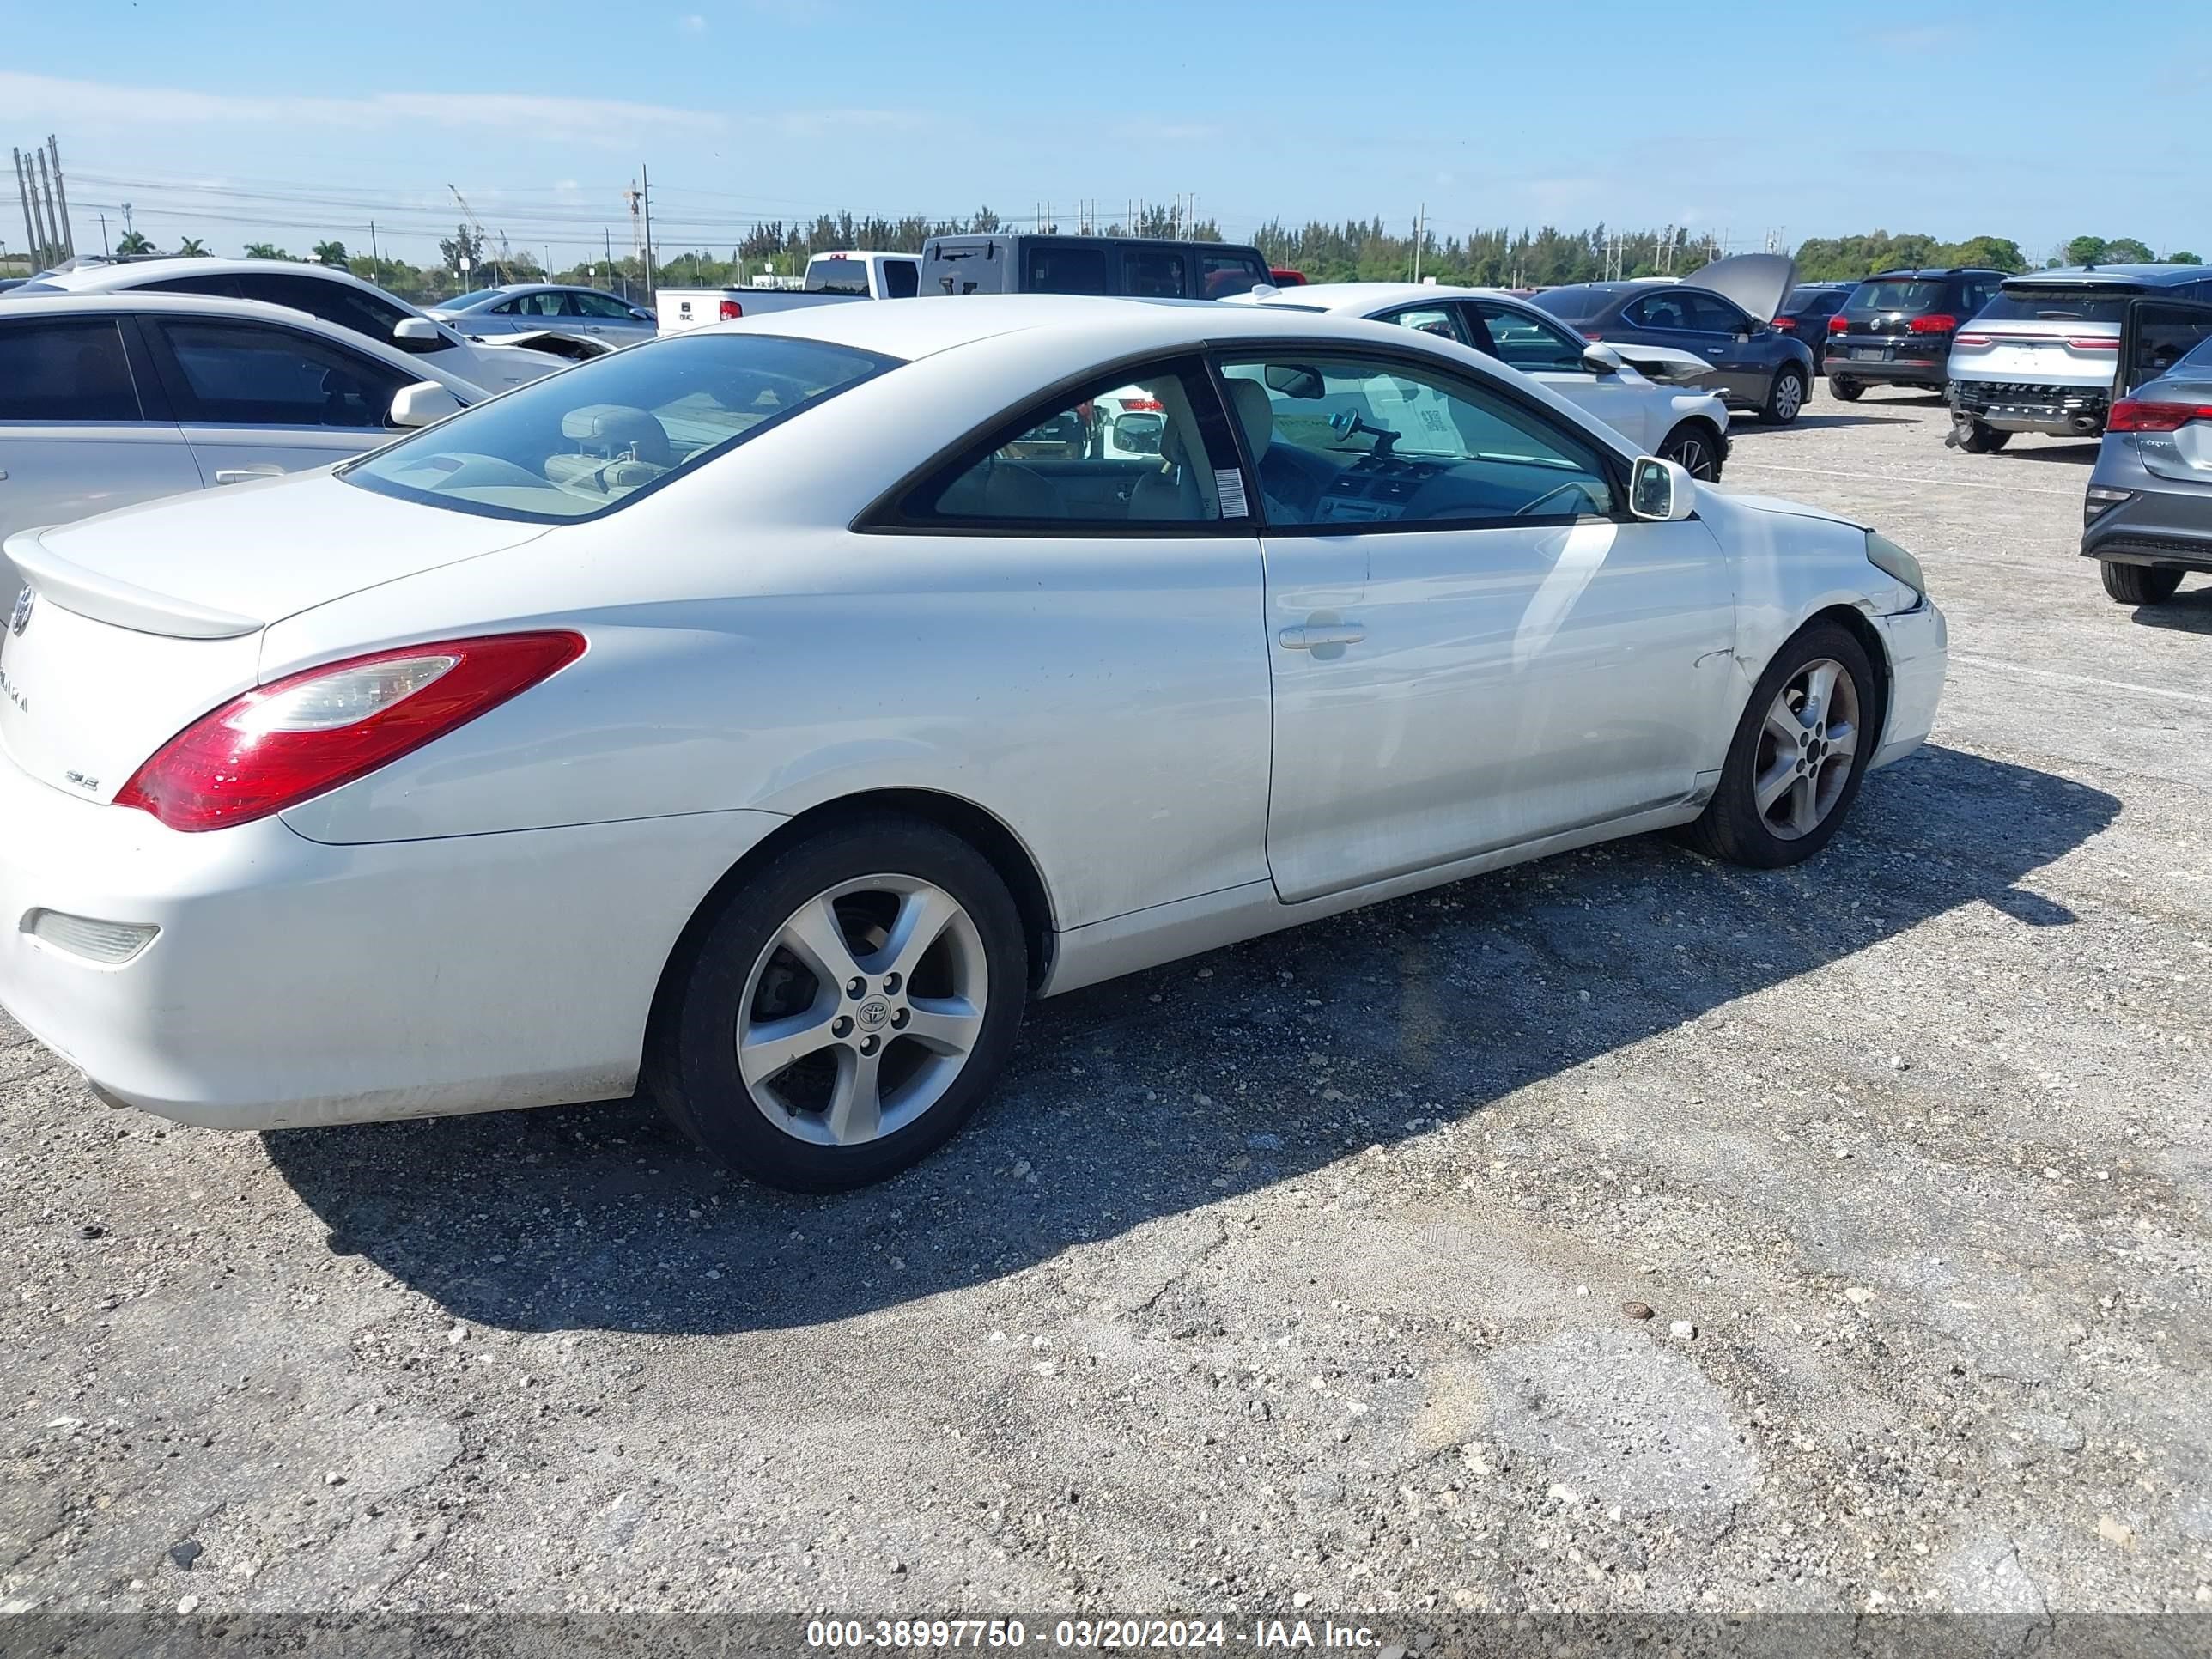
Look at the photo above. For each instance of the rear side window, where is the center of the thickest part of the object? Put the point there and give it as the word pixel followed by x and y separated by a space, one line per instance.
pixel 1154 274
pixel 1527 344
pixel 586 441
pixel 66 370
pixel 1050 270
pixel 2057 305
pixel 238 373
pixel 901 279
pixel 1574 304
pixel 222 283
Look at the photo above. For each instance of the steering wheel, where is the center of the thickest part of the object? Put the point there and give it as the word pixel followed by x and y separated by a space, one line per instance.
pixel 1527 509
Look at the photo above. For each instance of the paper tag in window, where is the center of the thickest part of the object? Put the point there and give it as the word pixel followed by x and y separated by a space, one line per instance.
pixel 1230 483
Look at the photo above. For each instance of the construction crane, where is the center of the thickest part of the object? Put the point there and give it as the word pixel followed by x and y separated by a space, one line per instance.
pixel 476 225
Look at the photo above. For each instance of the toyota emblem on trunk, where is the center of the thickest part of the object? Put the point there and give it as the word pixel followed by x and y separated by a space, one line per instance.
pixel 22 619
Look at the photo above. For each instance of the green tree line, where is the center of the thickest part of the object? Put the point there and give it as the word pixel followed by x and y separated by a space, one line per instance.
pixel 1355 250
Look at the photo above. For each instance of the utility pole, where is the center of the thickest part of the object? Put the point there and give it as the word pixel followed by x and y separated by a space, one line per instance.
pixel 1420 235
pixel 105 251
pixel 47 188
pixel 645 192
pixel 375 258
pixel 30 228
pixel 61 195
pixel 607 241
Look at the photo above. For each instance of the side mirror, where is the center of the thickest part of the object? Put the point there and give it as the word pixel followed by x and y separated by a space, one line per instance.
pixel 1601 359
pixel 416 332
pixel 422 403
pixel 1660 491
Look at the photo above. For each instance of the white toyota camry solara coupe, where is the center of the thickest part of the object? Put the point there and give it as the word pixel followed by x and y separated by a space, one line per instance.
pixel 770 713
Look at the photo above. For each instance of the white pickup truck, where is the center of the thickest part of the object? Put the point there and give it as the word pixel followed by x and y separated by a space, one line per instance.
pixel 830 278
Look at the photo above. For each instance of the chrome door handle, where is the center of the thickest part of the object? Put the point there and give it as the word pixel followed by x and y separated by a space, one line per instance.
pixel 1305 639
pixel 243 474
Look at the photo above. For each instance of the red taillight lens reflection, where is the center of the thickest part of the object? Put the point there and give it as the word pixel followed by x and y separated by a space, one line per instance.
pixel 1975 339
pixel 1839 323
pixel 1935 322
pixel 296 737
pixel 731 311
pixel 2129 415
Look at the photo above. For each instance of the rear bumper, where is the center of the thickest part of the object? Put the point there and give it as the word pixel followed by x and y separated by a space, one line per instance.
pixel 294 983
pixel 2061 411
pixel 1918 645
pixel 1902 367
pixel 2170 546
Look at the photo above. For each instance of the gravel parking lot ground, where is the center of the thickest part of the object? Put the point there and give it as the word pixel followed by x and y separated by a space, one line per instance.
pixel 1624 1230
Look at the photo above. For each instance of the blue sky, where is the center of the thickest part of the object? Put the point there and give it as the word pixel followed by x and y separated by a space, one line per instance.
pixel 291 122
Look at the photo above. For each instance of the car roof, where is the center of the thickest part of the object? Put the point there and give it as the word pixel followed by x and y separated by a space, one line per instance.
pixel 1358 296
pixel 1101 327
pixel 1931 273
pixel 2158 276
pixel 114 278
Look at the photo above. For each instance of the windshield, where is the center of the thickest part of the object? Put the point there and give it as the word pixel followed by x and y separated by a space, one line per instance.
pixel 837 276
pixel 2057 305
pixel 471 300
pixel 1900 293
pixel 582 442
pixel 1803 300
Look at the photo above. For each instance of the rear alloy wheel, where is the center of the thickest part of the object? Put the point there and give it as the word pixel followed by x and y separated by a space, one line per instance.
pixel 1800 751
pixel 1692 446
pixel 1786 397
pixel 2138 584
pixel 846 1011
pixel 1978 438
pixel 1848 390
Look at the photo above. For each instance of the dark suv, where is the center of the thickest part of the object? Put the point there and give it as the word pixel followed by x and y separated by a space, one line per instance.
pixel 1139 267
pixel 1896 328
pixel 1804 316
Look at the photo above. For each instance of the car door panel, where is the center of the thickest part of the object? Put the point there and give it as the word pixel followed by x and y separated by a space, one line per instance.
pixel 1740 348
pixel 1504 685
pixel 1447 689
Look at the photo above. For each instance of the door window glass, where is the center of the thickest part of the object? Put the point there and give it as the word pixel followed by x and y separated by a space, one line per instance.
pixel 1221 275
pixel 1126 451
pixel 1709 314
pixel 1529 343
pixel 902 278
pixel 1048 269
pixel 1429 319
pixel 1667 309
pixel 253 374
pixel 1345 441
pixel 66 370
pixel 602 305
pixel 1153 274
pixel 338 303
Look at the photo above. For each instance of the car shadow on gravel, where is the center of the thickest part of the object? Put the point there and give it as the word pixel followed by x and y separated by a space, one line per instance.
pixel 1738 429
pixel 2189 611
pixel 1161 1093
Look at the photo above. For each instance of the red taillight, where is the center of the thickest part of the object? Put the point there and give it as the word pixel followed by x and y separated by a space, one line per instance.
pixel 1592 334
pixel 2130 416
pixel 1935 322
pixel 2094 343
pixel 1839 323
pixel 731 311
pixel 1143 406
pixel 1975 339
pixel 1787 324
pixel 311 732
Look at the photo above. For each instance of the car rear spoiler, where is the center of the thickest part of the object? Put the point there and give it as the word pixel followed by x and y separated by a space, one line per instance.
pixel 105 599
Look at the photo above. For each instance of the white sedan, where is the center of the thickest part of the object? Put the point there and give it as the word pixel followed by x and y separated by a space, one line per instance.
pixel 110 399
pixel 340 299
pixel 771 713
pixel 1677 422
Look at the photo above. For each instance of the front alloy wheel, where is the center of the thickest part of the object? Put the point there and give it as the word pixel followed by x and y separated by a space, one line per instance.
pixel 1799 753
pixel 1692 447
pixel 1787 398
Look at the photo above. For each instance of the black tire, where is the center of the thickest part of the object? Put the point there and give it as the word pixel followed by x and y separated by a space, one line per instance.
pixel 691 1057
pixel 1694 439
pixel 1976 439
pixel 2138 584
pixel 1844 387
pixel 1732 826
pixel 1784 406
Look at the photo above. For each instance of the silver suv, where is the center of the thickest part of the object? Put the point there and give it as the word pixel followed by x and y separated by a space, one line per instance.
pixel 2043 356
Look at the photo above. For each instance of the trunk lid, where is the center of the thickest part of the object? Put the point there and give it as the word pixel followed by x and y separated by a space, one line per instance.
pixel 130 625
pixel 2036 351
pixel 1757 282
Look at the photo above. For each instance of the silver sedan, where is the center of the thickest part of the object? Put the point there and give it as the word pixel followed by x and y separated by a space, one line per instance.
pixel 771 713
pixel 536 308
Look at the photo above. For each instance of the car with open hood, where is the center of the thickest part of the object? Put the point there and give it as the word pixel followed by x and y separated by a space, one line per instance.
pixel 1723 313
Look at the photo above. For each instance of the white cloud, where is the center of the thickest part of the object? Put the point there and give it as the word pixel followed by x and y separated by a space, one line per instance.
pixel 692 23
pixel 44 98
